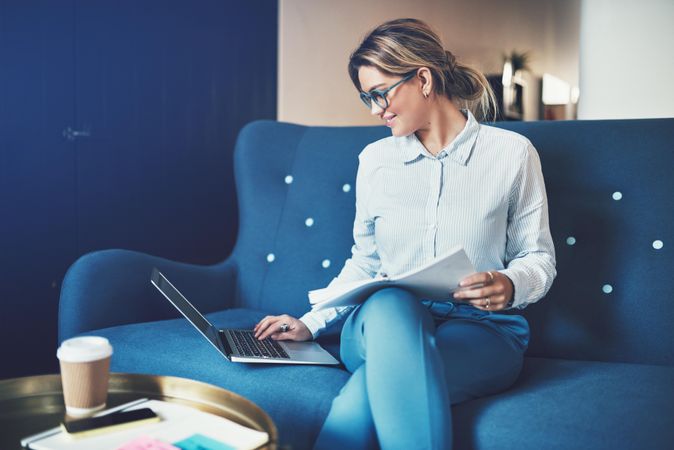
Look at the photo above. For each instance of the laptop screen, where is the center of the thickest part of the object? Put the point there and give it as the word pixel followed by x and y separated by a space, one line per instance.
pixel 185 307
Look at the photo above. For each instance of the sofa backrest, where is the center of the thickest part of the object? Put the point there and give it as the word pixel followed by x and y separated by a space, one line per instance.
pixel 610 192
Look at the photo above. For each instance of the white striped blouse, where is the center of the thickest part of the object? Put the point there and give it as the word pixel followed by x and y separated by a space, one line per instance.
pixel 485 191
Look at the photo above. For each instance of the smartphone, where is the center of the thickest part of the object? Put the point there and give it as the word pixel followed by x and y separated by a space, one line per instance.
pixel 110 422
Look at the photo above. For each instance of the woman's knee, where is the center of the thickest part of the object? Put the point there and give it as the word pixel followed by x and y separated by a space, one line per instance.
pixel 391 301
pixel 394 309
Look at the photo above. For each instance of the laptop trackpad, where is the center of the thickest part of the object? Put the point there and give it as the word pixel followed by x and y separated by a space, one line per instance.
pixel 305 349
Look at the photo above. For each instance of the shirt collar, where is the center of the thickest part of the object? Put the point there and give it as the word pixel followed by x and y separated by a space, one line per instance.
pixel 459 149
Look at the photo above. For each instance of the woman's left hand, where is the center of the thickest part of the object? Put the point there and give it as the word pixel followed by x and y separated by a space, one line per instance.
pixel 492 293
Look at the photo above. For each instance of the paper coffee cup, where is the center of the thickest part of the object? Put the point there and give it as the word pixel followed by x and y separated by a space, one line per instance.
pixel 85 370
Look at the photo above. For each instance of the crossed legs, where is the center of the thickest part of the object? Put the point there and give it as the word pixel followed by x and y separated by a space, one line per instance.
pixel 406 374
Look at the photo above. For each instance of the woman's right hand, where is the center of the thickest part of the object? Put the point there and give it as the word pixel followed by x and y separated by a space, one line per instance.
pixel 271 326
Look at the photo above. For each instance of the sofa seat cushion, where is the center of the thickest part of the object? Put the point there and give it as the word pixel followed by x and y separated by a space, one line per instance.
pixel 565 404
pixel 554 404
pixel 296 397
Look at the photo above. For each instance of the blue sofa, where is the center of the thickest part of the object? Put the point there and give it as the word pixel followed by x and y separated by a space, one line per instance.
pixel 598 373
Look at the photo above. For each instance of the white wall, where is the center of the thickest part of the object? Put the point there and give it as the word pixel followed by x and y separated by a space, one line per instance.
pixel 316 38
pixel 626 62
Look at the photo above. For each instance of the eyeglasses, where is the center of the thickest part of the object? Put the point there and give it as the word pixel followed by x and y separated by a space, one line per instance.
pixel 379 97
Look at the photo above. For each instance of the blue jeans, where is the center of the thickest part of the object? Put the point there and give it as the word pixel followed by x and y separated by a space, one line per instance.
pixel 410 361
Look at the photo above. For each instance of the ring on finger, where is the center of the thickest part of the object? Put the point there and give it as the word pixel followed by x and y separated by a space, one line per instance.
pixel 284 327
pixel 491 277
pixel 488 302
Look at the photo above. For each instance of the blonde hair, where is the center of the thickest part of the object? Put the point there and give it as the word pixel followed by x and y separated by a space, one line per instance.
pixel 399 47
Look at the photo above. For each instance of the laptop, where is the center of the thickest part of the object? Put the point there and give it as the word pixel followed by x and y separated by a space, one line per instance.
pixel 242 345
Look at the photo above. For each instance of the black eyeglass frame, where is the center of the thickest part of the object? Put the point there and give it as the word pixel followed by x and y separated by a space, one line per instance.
pixel 369 97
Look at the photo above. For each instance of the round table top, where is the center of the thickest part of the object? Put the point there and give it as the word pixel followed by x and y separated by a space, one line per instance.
pixel 29 405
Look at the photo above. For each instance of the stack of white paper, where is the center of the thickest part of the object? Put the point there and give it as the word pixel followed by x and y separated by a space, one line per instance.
pixel 436 280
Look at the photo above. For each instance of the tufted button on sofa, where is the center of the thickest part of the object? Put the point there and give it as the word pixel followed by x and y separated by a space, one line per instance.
pixel 599 370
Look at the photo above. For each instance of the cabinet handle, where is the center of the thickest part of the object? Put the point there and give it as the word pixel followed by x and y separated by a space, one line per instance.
pixel 71 134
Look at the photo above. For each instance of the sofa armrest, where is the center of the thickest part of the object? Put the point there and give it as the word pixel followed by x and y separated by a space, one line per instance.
pixel 112 287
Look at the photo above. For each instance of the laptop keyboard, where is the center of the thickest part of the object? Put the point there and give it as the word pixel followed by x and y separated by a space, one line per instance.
pixel 248 345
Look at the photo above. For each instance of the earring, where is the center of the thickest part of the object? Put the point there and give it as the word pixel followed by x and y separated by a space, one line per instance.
pixel 425 94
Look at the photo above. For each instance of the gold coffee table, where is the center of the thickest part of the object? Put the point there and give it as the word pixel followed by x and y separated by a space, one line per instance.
pixel 30 405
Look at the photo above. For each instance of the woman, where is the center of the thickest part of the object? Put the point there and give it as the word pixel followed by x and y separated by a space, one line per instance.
pixel 442 178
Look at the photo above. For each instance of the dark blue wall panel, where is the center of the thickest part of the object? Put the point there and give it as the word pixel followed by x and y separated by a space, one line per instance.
pixel 37 178
pixel 160 90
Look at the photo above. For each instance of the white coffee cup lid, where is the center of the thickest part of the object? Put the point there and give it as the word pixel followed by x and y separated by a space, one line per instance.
pixel 84 349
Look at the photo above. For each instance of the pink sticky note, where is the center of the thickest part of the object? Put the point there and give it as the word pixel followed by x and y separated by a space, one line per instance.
pixel 147 443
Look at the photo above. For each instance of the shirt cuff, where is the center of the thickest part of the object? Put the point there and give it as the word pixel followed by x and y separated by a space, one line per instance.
pixel 313 323
pixel 519 281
